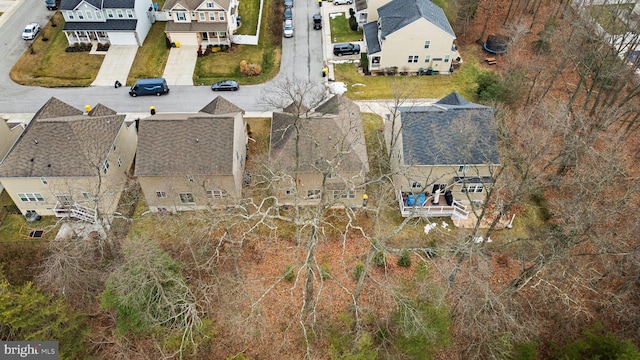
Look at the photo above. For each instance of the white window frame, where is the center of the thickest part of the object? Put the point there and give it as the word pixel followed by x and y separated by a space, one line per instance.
pixel 413 59
pixel 87 195
pixel 191 178
pixel 217 194
pixel 120 13
pixel 332 175
pixel 447 58
pixel 427 43
pixel 31 197
pixel 105 166
pixel 161 194
pixel 212 16
pixel 64 199
pixel 427 58
pixel 472 188
pixel 314 194
pixel 342 194
pixel 110 14
pixel 289 191
pixel 416 185
pixel 209 4
pixel 186 198
pixel 80 15
pixel 463 169
pixel 202 16
pixel 71 15
pixel 130 14
pixel 181 16
pixel 44 181
pixel 119 161
pixel 98 15
pixel 89 15
pixel 221 15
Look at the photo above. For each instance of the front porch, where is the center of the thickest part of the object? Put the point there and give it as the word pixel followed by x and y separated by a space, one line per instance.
pixel 85 36
pixel 421 204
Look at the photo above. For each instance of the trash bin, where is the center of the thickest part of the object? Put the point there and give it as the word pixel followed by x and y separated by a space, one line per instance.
pixel 177 44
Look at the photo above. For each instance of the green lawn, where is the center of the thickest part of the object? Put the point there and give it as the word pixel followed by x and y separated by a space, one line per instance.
pixel 49 65
pixel 151 58
pixel 249 11
pixel 360 87
pixel 340 30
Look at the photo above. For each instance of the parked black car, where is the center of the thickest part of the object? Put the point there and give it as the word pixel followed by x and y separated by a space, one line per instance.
pixel 346 49
pixel 317 22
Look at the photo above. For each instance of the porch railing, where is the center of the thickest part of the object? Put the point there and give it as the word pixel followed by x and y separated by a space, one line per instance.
pixel 456 210
pixel 76 211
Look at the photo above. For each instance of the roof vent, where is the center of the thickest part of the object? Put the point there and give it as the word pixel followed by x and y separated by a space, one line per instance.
pixel 48 165
pixel 197 140
pixel 32 159
pixel 35 141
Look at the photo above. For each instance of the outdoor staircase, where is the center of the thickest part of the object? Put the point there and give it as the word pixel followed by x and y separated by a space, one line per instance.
pixel 76 211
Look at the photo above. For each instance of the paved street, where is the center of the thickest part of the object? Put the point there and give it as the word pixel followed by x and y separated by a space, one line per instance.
pixel 301 58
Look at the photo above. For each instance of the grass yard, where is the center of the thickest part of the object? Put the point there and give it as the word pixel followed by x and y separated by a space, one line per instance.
pixel 49 65
pixel 249 11
pixel 340 30
pixel 151 58
pixel 463 81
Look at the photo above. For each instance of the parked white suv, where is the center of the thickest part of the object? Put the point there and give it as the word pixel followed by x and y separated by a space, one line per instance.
pixel 342 2
pixel 30 31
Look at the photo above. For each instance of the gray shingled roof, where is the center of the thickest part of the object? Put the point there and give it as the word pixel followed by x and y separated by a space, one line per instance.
pixel 451 132
pixel 111 24
pixel 101 110
pixel 397 14
pixel 219 106
pixel 185 144
pixel 321 136
pixel 371 37
pixel 69 145
pixel 100 4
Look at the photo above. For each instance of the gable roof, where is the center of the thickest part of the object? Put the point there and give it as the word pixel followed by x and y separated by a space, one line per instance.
pixel 68 145
pixel 453 131
pixel 54 108
pixel 220 105
pixel 99 4
pixel 193 4
pixel 371 37
pixel 185 144
pixel 101 110
pixel 397 14
pixel 323 135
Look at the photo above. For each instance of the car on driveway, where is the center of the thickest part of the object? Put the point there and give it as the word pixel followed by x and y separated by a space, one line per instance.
pixel 30 31
pixel 225 85
pixel 346 49
pixel 342 2
pixel 287 28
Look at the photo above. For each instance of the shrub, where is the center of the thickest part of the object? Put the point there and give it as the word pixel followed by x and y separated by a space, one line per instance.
pixel 596 343
pixel 490 87
pixel 379 258
pixel 364 61
pixel 325 272
pixel 405 259
pixel 358 270
pixel 247 69
pixel 289 273
pixel 353 23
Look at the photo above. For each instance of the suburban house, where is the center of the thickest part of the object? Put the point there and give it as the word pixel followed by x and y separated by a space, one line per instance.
pixel 116 22
pixel 442 156
pixel 331 164
pixel 192 161
pixel 410 36
pixel 69 163
pixel 366 10
pixel 201 22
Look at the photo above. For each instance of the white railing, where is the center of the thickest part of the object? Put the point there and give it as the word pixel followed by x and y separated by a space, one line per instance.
pixel 456 209
pixel 76 211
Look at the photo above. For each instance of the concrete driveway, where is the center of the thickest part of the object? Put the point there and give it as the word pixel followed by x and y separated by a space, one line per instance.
pixel 116 65
pixel 180 65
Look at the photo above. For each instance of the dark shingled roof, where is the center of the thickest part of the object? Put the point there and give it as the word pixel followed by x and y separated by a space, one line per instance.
pixel 68 145
pixel 219 106
pixel 185 144
pixel 296 107
pixel 453 131
pixel 397 14
pixel 371 37
pixel 100 4
pixel 111 24
pixel 321 137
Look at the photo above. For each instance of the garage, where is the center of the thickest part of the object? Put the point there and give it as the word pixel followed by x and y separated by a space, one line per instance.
pixel 184 38
pixel 123 38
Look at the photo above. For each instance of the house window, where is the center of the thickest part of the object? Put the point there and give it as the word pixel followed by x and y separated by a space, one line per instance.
pixel 289 192
pixel 341 194
pixel 427 44
pixel 190 178
pixel 89 15
pixel 98 15
pixel 80 15
pixel 313 194
pixel 130 13
pixel 110 13
pixel 472 188
pixel 416 185
pixel 31 197
pixel 44 181
pixel 438 186
pixel 64 199
pixel 209 5
pixel 205 36
pixel 187 198
pixel 217 194
pixel 120 13
pixel 446 58
pixel 332 176
pixel 413 58
pixel 70 15
pixel 119 162
pixel 375 60
pixel 463 168
pixel 181 16
pixel 161 194
pixel 220 33
pixel 212 16
pixel 221 16
pixel 476 204
pixel 87 196
pixel 105 166
pixel 202 16
pixel 427 58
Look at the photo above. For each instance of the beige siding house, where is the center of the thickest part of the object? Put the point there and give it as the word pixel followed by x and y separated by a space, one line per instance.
pixel 70 164
pixel 192 161
pixel 442 156
pixel 331 164
pixel 410 36
pixel 201 22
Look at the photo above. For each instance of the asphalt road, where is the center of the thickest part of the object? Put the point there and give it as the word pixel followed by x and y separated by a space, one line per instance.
pixel 301 59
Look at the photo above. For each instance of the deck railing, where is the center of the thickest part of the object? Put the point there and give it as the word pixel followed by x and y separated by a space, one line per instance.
pixel 76 211
pixel 456 209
